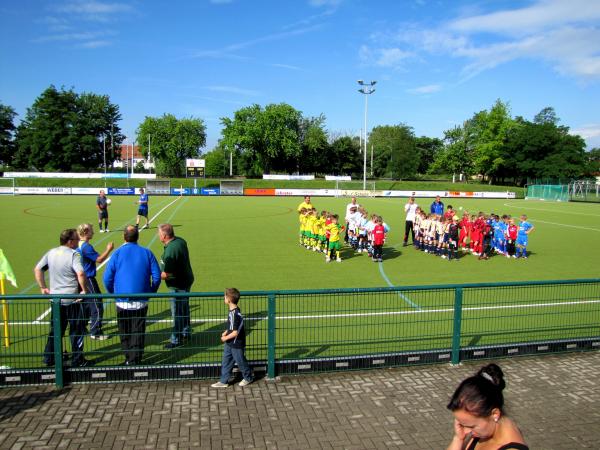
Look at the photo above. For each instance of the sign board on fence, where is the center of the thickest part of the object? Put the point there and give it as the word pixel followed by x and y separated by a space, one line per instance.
pixel 209 191
pixel 121 191
pixel 43 190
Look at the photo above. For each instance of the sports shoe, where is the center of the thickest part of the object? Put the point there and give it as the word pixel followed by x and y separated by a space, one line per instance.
pixel 327 259
pixel 218 384
pixel 101 230
pixel 339 260
pixel 107 230
pixel 84 363
pixel 99 337
pixel 172 345
pixel 380 260
pixel 244 383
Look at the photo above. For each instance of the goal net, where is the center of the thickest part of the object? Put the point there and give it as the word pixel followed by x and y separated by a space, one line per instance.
pixel 7 186
pixel 584 191
pixel 553 192
pixel 232 187
pixel 354 189
pixel 158 187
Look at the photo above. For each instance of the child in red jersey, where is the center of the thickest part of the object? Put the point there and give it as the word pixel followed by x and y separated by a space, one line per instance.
pixel 378 240
pixel 465 231
pixel 511 236
pixel 477 235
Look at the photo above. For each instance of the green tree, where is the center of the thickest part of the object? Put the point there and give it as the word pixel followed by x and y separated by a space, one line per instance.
pixel 168 141
pixel 313 146
pixel 7 130
pixel 428 149
pixel 63 131
pixel 456 157
pixel 489 131
pixel 343 157
pixel 216 162
pixel 594 161
pixel 395 151
pixel 265 140
pixel 545 150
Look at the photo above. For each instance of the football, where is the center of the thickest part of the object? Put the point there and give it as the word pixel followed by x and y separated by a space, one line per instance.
pixel 108 201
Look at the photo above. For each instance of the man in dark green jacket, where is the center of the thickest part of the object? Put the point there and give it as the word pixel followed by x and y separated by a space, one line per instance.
pixel 177 274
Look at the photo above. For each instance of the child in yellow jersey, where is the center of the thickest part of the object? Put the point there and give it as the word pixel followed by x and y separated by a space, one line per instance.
pixel 310 221
pixel 321 239
pixel 334 229
pixel 302 221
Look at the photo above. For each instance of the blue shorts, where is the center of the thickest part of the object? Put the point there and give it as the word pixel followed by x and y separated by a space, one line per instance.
pixel 143 212
pixel 522 242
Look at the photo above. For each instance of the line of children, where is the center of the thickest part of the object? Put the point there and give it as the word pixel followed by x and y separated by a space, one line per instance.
pixel 321 233
pixel 481 234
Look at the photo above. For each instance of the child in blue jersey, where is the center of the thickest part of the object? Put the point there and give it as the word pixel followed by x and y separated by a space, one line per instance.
pixel 93 308
pixel 142 209
pixel 525 228
pixel 499 243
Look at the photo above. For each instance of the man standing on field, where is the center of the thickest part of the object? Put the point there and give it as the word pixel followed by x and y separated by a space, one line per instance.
pixel 142 209
pixel 102 206
pixel 410 209
pixel 177 273
pixel 67 276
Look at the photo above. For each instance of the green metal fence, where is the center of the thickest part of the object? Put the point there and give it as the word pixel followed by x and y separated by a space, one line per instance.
pixel 555 192
pixel 292 332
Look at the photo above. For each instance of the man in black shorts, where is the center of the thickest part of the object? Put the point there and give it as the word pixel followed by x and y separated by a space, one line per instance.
pixel 102 205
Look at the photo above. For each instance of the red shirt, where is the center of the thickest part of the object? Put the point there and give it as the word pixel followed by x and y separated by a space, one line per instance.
pixel 378 235
pixel 512 231
pixel 449 214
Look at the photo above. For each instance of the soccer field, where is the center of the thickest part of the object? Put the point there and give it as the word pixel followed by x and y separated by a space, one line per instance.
pixel 251 243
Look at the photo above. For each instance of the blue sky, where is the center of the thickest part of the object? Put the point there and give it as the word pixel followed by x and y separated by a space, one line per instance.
pixel 436 62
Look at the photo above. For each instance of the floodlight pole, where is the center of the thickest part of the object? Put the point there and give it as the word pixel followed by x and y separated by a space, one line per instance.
pixel 366 89
pixel 104 152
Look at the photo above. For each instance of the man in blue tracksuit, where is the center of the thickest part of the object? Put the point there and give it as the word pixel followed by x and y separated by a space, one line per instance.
pixel 133 269
pixel 437 207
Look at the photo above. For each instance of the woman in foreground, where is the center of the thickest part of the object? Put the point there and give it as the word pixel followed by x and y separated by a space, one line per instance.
pixel 479 420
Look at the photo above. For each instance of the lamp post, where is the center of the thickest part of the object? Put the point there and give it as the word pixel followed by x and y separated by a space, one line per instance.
pixel 104 152
pixel 366 89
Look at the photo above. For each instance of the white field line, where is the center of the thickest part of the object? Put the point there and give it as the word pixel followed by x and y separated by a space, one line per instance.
pixel 368 314
pixel 565 225
pixel 45 313
pixel 526 207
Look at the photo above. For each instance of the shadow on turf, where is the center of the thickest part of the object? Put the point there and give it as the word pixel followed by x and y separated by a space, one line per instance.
pixel 15 405
pixel 207 341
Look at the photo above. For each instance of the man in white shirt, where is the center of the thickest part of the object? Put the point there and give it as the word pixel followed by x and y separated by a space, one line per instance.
pixel 349 206
pixel 410 209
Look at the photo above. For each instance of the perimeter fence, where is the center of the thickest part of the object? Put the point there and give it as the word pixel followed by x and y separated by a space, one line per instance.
pixel 308 331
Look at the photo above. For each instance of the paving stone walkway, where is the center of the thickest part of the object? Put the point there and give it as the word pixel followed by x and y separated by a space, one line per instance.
pixel 554 399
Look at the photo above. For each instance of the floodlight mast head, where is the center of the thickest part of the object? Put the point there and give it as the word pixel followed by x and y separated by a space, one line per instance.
pixel 359 82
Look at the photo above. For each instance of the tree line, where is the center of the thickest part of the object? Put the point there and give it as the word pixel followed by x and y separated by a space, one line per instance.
pixel 67 131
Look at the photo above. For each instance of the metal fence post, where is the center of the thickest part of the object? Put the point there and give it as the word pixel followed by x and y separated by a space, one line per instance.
pixel 271 337
pixel 58 351
pixel 458 298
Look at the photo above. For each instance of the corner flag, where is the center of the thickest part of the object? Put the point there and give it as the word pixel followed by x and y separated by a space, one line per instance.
pixel 6 271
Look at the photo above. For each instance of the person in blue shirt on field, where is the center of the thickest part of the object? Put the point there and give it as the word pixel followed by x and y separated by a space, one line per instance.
pixel 142 209
pixel 499 242
pixel 93 308
pixel 132 269
pixel 437 207
pixel 525 228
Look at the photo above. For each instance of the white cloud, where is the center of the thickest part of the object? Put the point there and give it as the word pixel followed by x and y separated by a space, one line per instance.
pixel 383 57
pixel 428 89
pixel 590 133
pixel 74 37
pixel 537 17
pixel 233 90
pixel 331 3
pixel 565 35
pixel 93 8
pixel 285 66
pixel 94 44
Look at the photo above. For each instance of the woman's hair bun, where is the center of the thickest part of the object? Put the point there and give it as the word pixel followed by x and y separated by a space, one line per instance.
pixel 493 373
